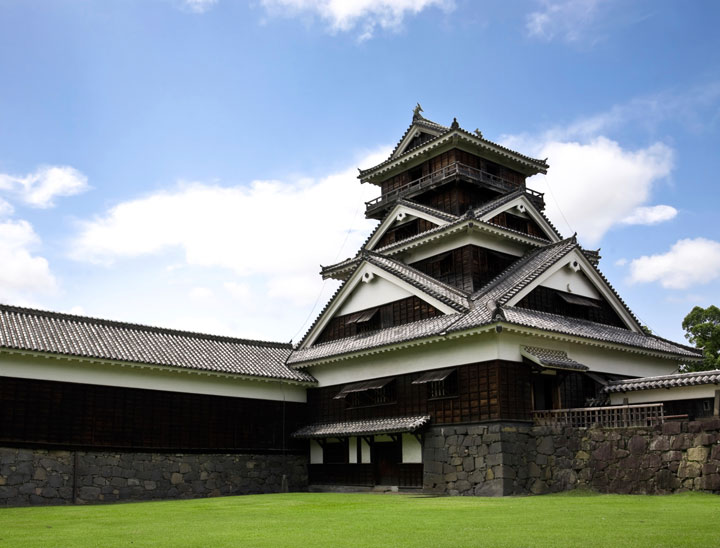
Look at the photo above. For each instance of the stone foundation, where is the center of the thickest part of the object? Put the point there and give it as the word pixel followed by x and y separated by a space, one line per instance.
pixel 37 476
pixel 515 459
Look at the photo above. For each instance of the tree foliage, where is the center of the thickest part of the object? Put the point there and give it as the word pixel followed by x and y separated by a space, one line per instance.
pixel 702 328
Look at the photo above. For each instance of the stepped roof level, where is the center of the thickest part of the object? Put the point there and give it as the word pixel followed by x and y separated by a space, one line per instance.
pixel 429 156
pixel 463 249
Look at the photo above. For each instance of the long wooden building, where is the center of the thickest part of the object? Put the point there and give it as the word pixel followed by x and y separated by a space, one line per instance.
pixel 465 307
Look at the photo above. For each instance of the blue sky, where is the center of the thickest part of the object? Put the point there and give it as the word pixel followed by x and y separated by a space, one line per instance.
pixel 190 164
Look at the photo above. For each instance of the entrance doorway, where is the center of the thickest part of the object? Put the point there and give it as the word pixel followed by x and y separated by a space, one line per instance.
pixel 387 456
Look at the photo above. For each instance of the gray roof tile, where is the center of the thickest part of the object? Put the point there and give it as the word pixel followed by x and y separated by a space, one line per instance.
pixel 375 339
pixel 26 329
pixel 591 330
pixel 665 381
pixel 363 428
pixel 553 359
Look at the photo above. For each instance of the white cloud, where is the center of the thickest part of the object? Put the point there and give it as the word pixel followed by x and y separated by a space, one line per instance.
pixel 22 274
pixel 40 188
pixel 270 234
pixel 689 262
pixel 201 293
pixel 6 209
pixel 567 19
pixel 621 261
pixel 650 215
pixel 596 185
pixel 198 6
pixel 346 15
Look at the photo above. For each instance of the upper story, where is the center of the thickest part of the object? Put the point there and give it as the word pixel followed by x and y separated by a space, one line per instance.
pixel 449 169
pixel 464 248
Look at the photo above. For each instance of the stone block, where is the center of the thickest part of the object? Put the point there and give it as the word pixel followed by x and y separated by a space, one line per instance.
pixel 698 454
pixel 711 424
pixel 89 493
pixel 495 448
pixel 539 487
pixel 689 469
pixel 711 482
pixel 637 445
pixel 671 428
pixel 546 446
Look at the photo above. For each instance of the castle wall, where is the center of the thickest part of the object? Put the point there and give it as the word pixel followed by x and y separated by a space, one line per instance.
pixel 506 458
pixel 41 476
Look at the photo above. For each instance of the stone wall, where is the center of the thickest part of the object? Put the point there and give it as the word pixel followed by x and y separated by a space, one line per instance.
pixel 514 459
pixel 37 476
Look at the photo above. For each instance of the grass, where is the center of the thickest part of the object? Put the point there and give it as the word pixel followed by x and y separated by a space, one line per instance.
pixel 359 520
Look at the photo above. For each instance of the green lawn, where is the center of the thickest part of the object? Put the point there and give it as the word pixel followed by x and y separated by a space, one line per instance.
pixel 358 520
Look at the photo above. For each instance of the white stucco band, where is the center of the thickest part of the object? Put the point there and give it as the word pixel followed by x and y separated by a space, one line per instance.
pixel 665 394
pixel 51 368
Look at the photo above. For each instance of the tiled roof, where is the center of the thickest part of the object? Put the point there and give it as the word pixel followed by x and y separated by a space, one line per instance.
pixel 421 122
pixel 511 281
pixel 553 359
pixel 461 223
pixel 350 262
pixel 375 339
pixel 666 381
pixel 489 305
pixel 537 165
pixel 596 331
pixel 451 296
pixel 26 329
pixel 427 209
pixel 363 428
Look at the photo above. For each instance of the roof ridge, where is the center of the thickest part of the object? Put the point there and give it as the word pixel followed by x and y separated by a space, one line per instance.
pixel 428 209
pixel 541 164
pixel 140 327
pixel 449 287
pixel 519 264
pixel 688 374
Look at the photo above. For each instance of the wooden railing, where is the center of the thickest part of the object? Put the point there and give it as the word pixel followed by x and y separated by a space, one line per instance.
pixel 435 177
pixel 614 416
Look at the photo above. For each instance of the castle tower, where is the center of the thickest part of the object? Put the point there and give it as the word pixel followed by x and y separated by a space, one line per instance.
pixel 465 308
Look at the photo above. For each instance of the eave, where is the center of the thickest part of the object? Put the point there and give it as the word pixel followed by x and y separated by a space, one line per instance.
pixel 450 139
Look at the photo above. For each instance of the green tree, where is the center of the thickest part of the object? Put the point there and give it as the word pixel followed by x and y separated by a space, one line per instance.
pixel 702 328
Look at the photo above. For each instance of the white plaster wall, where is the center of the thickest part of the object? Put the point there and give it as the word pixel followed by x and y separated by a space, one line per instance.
pixel 364 452
pixel 470 349
pixel 112 374
pixel 480 239
pixel 577 283
pixel 664 394
pixel 376 293
pixel 316 453
pixel 352 450
pixel 411 449
pixel 597 359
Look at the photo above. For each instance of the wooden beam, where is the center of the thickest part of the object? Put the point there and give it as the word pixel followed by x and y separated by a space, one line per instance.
pixel 716 407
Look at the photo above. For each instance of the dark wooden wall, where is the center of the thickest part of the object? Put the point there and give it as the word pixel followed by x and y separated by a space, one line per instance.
pixel 82 415
pixel 399 312
pixel 468 268
pixel 521 224
pixel 491 390
pixel 404 231
pixel 445 159
pixel 545 299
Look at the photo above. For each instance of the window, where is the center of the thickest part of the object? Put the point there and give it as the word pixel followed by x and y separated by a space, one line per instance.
pixel 367 393
pixel 441 383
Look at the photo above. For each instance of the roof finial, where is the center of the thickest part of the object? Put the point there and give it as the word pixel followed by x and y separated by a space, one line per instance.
pixel 416 112
pixel 478 133
pixel 455 124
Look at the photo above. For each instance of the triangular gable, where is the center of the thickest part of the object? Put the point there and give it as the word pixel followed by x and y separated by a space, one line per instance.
pixel 415 136
pixel 522 206
pixel 360 287
pixel 400 214
pixel 575 270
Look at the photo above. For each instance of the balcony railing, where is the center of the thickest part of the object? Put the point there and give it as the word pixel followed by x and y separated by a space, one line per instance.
pixel 614 416
pixel 453 170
